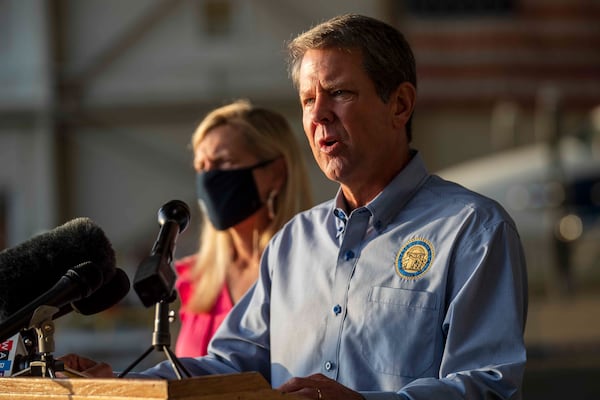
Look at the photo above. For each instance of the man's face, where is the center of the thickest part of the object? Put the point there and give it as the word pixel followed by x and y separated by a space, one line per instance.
pixel 351 131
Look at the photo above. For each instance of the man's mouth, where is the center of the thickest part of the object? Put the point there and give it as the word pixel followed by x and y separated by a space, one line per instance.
pixel 328 144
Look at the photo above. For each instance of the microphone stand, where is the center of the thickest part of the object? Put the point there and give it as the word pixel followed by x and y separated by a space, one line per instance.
pixel 44 364
pixel 161 339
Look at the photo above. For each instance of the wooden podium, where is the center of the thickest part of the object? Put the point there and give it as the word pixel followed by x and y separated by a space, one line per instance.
pixel 244 386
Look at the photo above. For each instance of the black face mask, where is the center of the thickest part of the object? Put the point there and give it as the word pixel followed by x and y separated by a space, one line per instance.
pixel 229 196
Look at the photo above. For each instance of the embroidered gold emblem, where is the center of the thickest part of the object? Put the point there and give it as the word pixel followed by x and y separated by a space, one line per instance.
pixel 414 258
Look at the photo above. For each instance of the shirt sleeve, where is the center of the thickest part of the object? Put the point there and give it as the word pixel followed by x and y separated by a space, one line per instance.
pixel 240 344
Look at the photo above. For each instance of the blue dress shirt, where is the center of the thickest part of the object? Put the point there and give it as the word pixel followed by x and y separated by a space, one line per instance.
pixel 420 294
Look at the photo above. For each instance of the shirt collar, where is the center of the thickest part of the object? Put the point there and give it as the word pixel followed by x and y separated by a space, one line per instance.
pixel 388 203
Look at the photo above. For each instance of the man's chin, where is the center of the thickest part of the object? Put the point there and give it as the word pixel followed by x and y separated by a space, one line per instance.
pixel 334 169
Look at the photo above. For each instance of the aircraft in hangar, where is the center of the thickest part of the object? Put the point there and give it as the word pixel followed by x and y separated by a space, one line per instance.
pixel 552 191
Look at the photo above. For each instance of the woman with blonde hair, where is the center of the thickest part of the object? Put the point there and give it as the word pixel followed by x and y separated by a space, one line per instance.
pixel 251 179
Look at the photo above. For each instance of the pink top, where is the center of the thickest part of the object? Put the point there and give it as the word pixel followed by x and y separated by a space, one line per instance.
pixel 197 329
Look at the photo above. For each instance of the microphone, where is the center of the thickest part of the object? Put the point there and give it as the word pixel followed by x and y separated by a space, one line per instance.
pixel 102 299
pixel 35 265
pixel 155 277
pixel 16 354
pixel 77 283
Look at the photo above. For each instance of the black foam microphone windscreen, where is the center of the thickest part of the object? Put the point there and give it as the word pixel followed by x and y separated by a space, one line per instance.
pixel 34 266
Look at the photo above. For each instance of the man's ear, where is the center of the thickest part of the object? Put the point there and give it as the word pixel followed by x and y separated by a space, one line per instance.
pixel 403 100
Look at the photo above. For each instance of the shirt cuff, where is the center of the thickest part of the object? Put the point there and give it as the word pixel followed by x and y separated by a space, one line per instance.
pixel 382 396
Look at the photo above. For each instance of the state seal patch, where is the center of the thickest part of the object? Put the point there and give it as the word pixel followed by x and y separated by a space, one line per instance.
pixel 414 258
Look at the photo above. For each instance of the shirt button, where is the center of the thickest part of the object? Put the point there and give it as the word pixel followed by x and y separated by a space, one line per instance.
pixel 337 309
pixel 328 366
pixel 349 255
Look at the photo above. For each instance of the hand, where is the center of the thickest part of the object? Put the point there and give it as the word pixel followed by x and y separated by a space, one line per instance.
pixel 86 366
pixel 319 387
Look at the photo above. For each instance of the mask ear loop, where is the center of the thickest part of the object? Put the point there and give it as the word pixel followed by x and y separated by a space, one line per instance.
pixel 271 204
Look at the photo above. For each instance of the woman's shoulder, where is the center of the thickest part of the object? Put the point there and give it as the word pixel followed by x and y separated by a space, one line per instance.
pixel 183 265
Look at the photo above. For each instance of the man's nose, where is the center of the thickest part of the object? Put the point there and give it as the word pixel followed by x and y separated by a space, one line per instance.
pixel 321 111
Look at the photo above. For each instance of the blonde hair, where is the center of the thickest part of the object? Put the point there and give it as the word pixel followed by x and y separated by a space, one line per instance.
pixel 268 136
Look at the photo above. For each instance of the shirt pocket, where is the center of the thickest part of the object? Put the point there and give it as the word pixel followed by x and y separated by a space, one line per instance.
pixel 399 332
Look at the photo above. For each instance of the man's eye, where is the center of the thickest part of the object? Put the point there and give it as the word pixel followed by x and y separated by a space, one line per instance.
pixel 340 93
pixel 308 101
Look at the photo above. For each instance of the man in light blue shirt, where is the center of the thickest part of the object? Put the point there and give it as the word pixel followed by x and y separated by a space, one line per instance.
pixel 405 286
